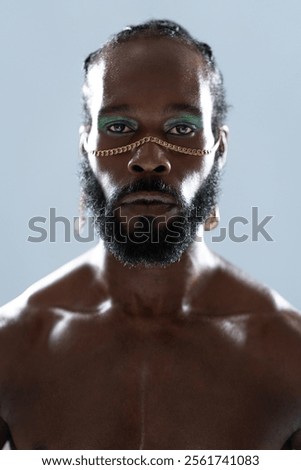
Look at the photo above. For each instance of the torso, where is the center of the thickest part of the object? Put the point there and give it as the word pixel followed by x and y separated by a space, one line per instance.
pixel 109 381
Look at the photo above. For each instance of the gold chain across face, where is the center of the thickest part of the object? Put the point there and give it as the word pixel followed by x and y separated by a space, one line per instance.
pixel 155 140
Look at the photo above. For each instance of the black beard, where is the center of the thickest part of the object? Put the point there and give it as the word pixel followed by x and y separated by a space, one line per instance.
pixel 157 241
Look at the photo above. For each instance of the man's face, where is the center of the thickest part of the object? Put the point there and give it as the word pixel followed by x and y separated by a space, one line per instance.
pixel 148 202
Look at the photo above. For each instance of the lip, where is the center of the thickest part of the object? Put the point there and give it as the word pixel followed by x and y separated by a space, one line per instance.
pixel 148 197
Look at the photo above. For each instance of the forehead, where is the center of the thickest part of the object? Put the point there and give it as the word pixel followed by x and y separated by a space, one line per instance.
pixel 148 71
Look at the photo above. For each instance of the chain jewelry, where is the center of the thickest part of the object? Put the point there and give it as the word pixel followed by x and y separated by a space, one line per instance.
pixel 155 140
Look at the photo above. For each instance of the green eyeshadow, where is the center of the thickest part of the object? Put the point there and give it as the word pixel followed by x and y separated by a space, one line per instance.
pixel 104 121
pixel 196 121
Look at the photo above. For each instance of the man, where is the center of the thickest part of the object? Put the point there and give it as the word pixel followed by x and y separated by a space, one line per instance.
pixel 150 340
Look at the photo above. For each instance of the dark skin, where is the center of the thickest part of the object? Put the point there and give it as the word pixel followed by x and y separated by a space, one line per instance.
pixel 191 356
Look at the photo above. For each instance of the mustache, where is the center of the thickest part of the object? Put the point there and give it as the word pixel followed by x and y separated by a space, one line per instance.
pixel 149 185
pixel 95 200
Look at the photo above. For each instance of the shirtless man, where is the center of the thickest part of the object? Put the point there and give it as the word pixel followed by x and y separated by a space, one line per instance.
pixel 150 340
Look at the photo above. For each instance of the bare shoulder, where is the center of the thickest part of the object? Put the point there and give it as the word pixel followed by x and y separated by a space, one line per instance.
pixel 74 287
pixel 23 328
pixel 271 325
pixel 20 325
pixel 29 317
pixel 237 292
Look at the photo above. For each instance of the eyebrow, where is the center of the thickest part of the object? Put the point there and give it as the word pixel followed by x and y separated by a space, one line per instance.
pixel 175 107
pixel 189 108
pixel 114 109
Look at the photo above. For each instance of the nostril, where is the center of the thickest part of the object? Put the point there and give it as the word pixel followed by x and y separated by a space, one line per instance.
pixel 137 168
pixel 134 168
pixel 160 169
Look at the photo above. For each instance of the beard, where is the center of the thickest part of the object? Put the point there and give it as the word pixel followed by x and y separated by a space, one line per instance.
pixel 148 240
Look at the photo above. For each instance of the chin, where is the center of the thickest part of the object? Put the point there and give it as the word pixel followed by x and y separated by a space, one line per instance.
pixel 148 255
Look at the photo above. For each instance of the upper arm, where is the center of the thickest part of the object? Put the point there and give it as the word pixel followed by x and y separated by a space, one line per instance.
pixel 4 430
pixel 9 315
pixel 4 433
pixel 294 442
pixel 291 327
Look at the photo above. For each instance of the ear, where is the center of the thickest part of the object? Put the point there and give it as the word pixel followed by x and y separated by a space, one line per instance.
pixel 83 139
pixel 223 146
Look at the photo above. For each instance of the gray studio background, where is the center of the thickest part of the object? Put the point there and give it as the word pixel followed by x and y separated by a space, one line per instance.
pixel 258 47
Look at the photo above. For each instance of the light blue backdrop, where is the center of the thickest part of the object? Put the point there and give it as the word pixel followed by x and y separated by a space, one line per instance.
pixel 43 45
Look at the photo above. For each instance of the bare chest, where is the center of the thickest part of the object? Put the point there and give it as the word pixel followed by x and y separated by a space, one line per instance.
pixel 168 392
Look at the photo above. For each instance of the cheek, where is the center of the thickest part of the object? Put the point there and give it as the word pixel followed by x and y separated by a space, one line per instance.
pixel 190 186
pixel 104 177
pixel 110 171
pixel 194 180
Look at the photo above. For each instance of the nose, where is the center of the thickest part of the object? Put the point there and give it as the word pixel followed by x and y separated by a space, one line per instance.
pixel 149 158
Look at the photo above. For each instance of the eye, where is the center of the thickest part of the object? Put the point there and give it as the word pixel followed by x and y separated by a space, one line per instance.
pixel 182 129
pixel 119 128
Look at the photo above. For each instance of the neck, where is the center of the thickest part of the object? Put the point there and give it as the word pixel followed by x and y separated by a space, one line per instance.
pixel 155 291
